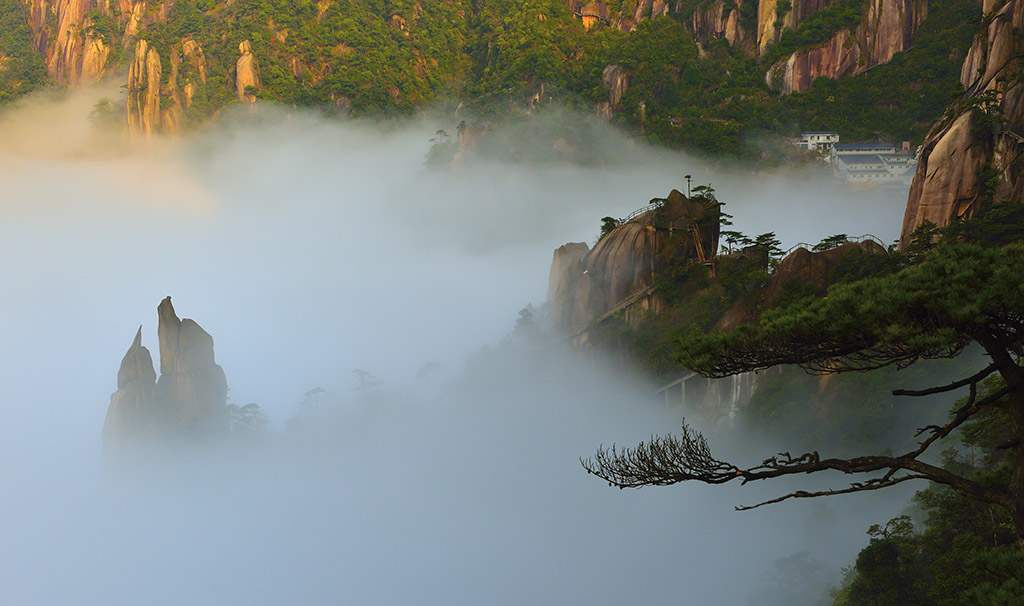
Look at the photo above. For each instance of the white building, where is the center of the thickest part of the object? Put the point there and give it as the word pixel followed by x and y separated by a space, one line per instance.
pixel 818 140
pixel 872 163
pixel 847 149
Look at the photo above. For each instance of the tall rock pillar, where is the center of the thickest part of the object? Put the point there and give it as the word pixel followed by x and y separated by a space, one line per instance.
pixel 188 401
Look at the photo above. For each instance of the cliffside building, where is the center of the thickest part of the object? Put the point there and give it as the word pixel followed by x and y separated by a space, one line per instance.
pixel 818 140
pixel 872 164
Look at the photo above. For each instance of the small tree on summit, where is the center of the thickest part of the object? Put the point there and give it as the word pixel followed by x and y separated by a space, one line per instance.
pixel 607 224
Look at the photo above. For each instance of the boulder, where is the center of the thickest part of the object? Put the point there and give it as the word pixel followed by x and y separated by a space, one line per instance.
pixel 815 268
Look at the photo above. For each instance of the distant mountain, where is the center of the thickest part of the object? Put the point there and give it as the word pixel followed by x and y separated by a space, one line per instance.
pixel 705 74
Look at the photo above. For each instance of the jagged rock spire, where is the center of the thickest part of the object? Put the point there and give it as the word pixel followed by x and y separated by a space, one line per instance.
pixel 189 399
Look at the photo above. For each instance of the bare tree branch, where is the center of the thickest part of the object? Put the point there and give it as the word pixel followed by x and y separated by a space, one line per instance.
pixel 874 484
pixel 973 379
pixel 666 460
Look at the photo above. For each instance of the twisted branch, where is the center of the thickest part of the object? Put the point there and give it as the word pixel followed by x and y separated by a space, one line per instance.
pixel 666 460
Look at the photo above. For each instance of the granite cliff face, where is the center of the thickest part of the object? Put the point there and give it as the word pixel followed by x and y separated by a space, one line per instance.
pixel 974 154
pixel 585 285
pixel 74 46
pixel 189 399
pixel 247 80
pixel 143 105
pixel 156 104
pixel 133 413
pixel 887 29
pixel 816 269
pixel 567 259
pixel 714 21
pixel 63 33
pixel 78 51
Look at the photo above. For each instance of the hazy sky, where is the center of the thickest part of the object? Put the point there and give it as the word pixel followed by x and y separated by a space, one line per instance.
pixel 309 249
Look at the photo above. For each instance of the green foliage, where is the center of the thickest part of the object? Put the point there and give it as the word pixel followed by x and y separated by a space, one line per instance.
pixel 899 100
pixel 831 242
pixel 965 554
pixel 735 240
pixel 607 224
pixel 770 243
pixel 886 571
pixel 852 267
pixel 781 8
pixel 21 68
pixel 925 310
pixel 744 276
pixel 246 419
pixel 813 29
pixel 504 57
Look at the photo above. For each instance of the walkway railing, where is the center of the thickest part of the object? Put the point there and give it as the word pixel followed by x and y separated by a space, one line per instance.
pixel 636 213
pixel 605 20
pixel 854 239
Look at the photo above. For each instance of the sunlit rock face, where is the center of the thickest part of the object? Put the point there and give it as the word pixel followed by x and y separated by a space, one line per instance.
pixel 246 77
pixel 143 102
pixel 975 155
pixel 188 401
pixel 158 97
pixel 622 265
pixel 714 20
pixel 809 268
pixel 132 412
pixel 888 27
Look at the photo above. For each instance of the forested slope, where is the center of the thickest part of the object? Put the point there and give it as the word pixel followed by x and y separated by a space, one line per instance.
pixel 705 75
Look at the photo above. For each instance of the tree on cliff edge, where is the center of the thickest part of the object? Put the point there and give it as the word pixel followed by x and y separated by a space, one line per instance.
pixel 959 292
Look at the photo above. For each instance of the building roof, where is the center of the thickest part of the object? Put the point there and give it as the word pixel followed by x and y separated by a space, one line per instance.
pixel 818 132
pixel 896 158
pixel 851 146
pixel 862 159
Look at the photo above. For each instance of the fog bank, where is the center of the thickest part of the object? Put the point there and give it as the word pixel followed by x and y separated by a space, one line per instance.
pixel 310 249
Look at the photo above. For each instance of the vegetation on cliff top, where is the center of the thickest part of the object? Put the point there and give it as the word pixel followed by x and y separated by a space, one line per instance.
pixel 394 57
pixel 22 69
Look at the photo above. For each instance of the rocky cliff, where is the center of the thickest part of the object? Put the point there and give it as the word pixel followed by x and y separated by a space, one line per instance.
pixel 715 21
pixel 188 400
pixel 247 79
pixel 133 413
pixel 973 155
pixel 77 38
pixel 567 259
pixel 155 103
pixel 63 32
pixel 888 28
pixel 621 268
pixel 816 269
